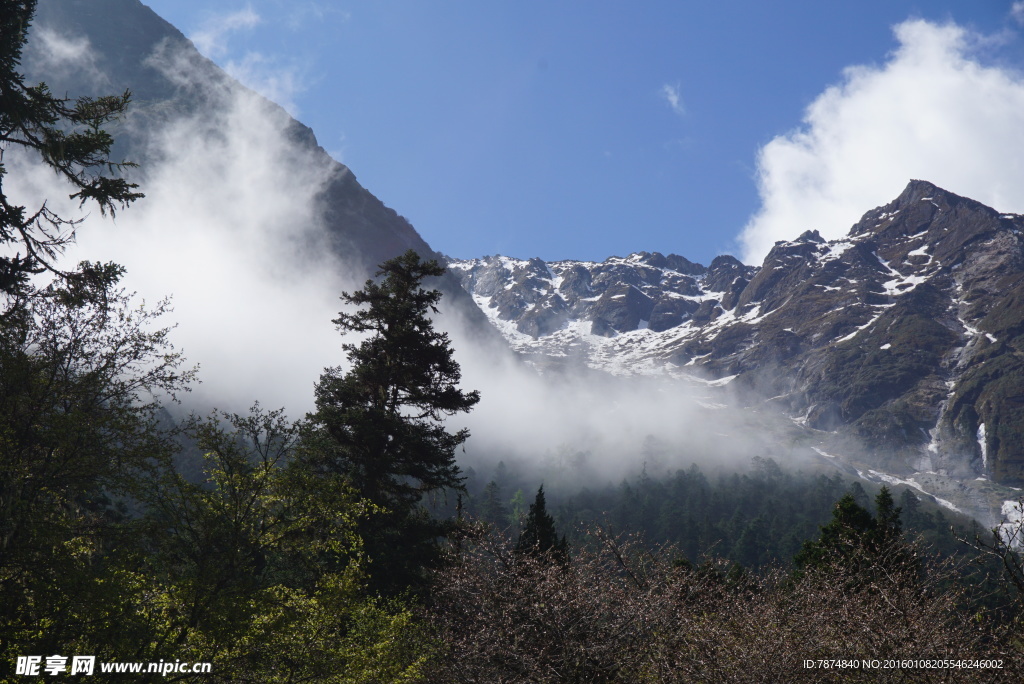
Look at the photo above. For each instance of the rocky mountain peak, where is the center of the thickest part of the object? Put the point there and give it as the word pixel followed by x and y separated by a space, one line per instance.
pixel 926 210
pixel 900 334
pixel 810 236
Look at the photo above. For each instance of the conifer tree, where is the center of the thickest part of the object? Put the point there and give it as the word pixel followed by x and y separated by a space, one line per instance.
pixel 493 509
pixel 539 536
pixel 910 508
pixel 856 539
pixel 69 137
pixel 379 426
pixel 888 526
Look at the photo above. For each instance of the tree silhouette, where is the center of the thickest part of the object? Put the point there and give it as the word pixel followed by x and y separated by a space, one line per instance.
pixel 380 426
pixel 539 536
pixel 69 137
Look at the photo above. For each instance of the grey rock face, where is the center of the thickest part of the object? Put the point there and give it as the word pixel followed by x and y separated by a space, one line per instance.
pixel 643 290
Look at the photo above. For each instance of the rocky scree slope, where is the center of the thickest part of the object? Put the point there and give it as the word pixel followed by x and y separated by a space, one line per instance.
pixel 907 335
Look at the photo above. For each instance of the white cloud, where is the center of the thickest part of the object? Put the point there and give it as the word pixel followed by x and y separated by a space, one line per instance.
pixel 1017 12
pixel 211 38
pixel 267 76
pixel 671 94
pixel 271 77
pixel 933 111
pixel 63 57
pixel 231 227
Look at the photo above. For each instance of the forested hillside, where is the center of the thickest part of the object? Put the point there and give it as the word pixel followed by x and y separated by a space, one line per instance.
pixel 756 516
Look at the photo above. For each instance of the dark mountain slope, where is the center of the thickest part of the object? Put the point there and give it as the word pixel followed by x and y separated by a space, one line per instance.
pixel 133 48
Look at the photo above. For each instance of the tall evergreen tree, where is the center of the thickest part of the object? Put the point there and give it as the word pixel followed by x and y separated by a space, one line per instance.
pixel 380 426
pixel 539 536
pixel 888 526
pixel 492 508
pixel 910 509
pixel 856 539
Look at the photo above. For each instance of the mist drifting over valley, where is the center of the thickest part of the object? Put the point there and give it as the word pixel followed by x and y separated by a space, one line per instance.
pixel 243 227
pixel 233 229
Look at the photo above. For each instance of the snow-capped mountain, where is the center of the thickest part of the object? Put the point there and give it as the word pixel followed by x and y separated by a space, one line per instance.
pixel 620 315
pixel 907 335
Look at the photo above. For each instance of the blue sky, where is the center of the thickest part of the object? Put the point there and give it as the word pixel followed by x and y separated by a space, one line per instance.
pixel 582 130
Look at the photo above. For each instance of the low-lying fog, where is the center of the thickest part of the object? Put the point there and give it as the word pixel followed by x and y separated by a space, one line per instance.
pixel 230 228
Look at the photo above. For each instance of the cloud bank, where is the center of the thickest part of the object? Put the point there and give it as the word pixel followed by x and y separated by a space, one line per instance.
pixel 933 111
pixel 573 427
pixel 231 228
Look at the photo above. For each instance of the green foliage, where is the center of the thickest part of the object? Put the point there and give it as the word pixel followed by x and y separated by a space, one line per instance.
pixel 261 578
pixel 380 425
pixel 69 137
pixel 78 434
pixel 517 508
pixel 757 518
pixel 247 571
